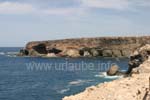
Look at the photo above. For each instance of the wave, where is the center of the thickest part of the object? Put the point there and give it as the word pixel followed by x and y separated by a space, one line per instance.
pixel 63 91
pixel 12 53
pixel 79 82
pixel 9 54
pixel 104 75
pixel 2 53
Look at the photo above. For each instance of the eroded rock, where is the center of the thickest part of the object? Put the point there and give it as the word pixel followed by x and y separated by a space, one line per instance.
pixel 23 52
pixel 40 48
pixel 138 57
pixel 107 53
pixel 73 53
pixel 116 53
pixel 94 52
pixel 113 70
pixel 105 44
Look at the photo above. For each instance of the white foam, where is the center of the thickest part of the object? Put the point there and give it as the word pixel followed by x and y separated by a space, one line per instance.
pixel 113 77
pixel 79 82
pixel 2 53
pixel 11 54
pixel 63 91
pixel 104 75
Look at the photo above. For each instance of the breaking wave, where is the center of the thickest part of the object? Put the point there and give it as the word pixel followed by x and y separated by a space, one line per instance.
pixel 63 91
pixel 9 54
pixel 104 75
pixel 2 53
pixel 79 82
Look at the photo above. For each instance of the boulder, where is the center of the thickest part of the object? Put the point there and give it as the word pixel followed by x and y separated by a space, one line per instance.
pixel 113 70
pixel 73 53
pixel 107 53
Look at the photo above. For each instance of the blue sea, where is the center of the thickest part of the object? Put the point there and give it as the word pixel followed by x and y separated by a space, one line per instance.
pixel 31 78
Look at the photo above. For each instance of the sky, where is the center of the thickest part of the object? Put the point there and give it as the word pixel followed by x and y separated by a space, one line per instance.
pixel 22 21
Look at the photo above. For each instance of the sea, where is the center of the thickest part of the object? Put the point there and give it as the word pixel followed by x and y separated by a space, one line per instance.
pixel 37 78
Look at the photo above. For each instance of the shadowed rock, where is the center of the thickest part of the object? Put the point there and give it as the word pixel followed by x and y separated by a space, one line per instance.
pixel 138 57
pixel 23 52
pixel 40 48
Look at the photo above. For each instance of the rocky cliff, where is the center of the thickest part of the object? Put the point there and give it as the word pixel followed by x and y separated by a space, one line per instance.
pixel 135 87
pixel 86 47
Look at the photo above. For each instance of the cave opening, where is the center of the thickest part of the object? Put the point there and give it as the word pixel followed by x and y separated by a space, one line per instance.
pixel 54 50
pixel 40 48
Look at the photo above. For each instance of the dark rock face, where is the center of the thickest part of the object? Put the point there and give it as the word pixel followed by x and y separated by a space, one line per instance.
pixel 40 48
pixel 54 50
pixel 91 47
pixel 138 57
pixel 23 52
pixel 113 70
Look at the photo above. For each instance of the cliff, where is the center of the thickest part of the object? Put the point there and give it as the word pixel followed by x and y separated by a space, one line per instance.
pixel 135 87
pixel 86 47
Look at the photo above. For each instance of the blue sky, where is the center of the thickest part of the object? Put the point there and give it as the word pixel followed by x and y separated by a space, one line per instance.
pixel 27 20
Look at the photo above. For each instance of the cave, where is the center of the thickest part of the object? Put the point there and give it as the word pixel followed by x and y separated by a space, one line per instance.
pixel 54 50
pixel 40 48
pixel 81 52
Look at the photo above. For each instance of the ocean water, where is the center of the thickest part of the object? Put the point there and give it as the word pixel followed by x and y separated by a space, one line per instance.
pixel 30 78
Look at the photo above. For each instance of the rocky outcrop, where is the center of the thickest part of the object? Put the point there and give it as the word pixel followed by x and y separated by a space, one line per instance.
pixel 23 52
pixel 143 68
pixel 113 70
pixel 90 47
pixel 138 57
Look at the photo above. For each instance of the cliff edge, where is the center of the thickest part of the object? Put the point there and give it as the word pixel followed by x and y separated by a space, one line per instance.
pixel 85 47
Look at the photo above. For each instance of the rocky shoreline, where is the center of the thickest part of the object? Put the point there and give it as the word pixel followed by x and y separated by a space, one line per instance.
pixel 134 87
pixel 85 47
